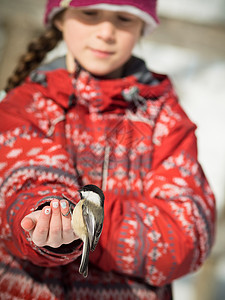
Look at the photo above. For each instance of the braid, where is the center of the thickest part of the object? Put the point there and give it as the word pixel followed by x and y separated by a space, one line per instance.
pixel 36 52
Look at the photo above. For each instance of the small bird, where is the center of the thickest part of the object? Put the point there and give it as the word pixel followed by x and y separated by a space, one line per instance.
pixel 87 221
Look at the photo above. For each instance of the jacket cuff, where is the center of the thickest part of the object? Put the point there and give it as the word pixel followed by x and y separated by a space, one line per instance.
pixel 64 249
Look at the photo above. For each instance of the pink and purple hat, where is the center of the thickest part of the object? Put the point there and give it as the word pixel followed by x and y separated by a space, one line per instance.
pixel 144 9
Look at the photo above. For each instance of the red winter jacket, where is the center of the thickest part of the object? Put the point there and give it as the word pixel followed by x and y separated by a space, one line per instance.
pixel 128 136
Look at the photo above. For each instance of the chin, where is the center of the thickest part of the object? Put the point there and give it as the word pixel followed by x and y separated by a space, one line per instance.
pixel 99 68
pixel 98 71
pixel 109 73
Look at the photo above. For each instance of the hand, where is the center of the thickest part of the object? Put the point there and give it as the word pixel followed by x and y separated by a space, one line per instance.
pixel 48 227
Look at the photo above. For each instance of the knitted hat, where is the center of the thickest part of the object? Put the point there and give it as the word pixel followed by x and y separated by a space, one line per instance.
pixel 144 9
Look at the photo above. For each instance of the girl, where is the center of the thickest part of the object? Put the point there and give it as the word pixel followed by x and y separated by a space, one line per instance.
pixel 98 116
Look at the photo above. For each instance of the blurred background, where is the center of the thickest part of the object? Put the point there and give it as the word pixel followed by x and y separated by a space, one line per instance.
pixel 189 45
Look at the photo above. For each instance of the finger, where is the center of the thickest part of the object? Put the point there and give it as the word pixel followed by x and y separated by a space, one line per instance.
pixel 67 231
pixel 29 221
pixel 65 209
pixel 28 224
pixel 55 230
pixel 41 231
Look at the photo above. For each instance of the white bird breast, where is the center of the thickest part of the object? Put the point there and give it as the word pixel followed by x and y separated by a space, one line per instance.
pixel 92 197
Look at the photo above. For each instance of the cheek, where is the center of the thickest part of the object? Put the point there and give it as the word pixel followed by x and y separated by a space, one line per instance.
pixel 73 36
pixel 128 41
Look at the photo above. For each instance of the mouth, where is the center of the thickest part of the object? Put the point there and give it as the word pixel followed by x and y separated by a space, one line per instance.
pixel 101 53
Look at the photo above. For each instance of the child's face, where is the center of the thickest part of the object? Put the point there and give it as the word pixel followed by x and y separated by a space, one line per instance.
pixel 102 41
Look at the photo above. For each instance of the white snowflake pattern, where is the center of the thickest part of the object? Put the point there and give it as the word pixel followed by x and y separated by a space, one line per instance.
pixel 158 278
pixel 54 148
pixel 97 149
pixel 34 151
pixel 52 161
pixel 170 190
pixel 154 236
pixel 139 184
pixel 111 183
pixel 3 165
pixel 120 173
pixel 44 124
pixel 155 254
pixel 160 131
pixel 119 150
pixel 46 141
pixel 180 160
pixel 180 181
pixel 128 259
pixel 14 153
pixel 148 219
pixel 141 148
pixel 130 242
pixel 133 223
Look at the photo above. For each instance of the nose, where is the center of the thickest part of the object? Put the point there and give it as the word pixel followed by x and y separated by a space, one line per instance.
pixel 106 31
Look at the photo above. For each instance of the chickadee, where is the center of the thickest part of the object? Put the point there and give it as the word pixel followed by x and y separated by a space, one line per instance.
pixel 87 221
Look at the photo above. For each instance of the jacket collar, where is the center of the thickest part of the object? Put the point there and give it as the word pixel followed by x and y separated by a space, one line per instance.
pixel 101 95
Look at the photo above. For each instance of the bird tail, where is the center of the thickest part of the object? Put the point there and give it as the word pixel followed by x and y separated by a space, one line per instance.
pixel 85 257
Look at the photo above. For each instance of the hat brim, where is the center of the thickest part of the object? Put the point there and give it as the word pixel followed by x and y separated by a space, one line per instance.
pixel 150 22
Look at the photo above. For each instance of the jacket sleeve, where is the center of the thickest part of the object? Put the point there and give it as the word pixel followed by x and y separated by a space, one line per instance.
pixel 34 169
pixel 168 230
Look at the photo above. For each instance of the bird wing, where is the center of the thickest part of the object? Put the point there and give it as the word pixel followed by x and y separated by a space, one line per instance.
pixel 90 222
pixel 94 230
pixel 98 232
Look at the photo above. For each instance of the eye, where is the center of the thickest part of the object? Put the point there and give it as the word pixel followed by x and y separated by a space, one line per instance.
pixel 89 12
pixel 124 19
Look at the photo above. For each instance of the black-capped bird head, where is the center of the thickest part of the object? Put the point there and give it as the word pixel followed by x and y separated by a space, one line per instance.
pixel 93 194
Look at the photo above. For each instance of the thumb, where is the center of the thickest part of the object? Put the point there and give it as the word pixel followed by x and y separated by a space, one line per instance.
pixel 29 222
